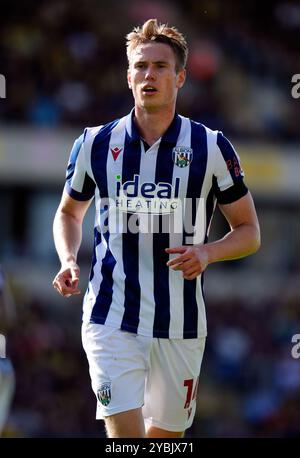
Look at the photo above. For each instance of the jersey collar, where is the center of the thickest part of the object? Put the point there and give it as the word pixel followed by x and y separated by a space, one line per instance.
pixel 170 136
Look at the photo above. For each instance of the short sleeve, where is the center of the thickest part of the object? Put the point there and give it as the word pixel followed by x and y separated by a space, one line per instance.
pixel 228 181
pixel 79 184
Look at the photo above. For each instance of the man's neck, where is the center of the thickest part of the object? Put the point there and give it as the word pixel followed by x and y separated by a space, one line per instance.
pixel 153 125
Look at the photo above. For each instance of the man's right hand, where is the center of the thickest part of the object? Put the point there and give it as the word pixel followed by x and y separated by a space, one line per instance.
pixel 67 279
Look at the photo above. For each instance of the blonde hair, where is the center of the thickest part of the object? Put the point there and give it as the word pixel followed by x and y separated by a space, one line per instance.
pixel 159 33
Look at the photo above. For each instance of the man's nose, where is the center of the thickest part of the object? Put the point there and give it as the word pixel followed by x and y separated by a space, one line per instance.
pixel 150 74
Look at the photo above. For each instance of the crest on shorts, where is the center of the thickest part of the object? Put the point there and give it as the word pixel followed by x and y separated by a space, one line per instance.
pixel 104 393
pixel 182 156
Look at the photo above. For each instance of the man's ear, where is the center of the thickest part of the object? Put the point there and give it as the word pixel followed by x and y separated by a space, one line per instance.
pixel 129 79
pixel 181 78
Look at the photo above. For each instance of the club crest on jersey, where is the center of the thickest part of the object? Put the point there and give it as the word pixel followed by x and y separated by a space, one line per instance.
pixel 104 393
pixel 182 156
pixel 115 151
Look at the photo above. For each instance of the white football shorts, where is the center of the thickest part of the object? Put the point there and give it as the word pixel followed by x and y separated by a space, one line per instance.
pixel 129 371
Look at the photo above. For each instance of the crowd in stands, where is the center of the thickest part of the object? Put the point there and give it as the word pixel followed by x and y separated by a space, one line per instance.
pixel 65 66
pixel 65 63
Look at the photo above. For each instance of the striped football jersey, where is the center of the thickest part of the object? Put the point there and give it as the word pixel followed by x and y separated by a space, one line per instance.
pixel 146 200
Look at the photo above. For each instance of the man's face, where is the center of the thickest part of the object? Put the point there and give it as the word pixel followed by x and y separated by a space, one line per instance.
pixel 152 76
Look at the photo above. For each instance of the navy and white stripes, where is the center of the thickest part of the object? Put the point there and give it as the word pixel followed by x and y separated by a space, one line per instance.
pixel 130 286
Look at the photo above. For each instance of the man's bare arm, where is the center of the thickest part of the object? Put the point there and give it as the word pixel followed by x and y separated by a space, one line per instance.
pixel 244 236
pixel 242 240
pixel 67 233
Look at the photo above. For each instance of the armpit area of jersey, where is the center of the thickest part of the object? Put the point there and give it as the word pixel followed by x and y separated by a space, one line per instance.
pixel 235 192
pixel 82 196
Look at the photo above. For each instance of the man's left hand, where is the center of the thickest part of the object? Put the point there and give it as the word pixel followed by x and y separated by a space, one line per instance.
pixel 192 261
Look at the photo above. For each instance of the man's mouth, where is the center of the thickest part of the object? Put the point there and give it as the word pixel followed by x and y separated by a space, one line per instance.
pixel 149 89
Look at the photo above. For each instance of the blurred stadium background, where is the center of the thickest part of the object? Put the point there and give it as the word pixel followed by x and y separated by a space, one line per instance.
pixel 65 67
